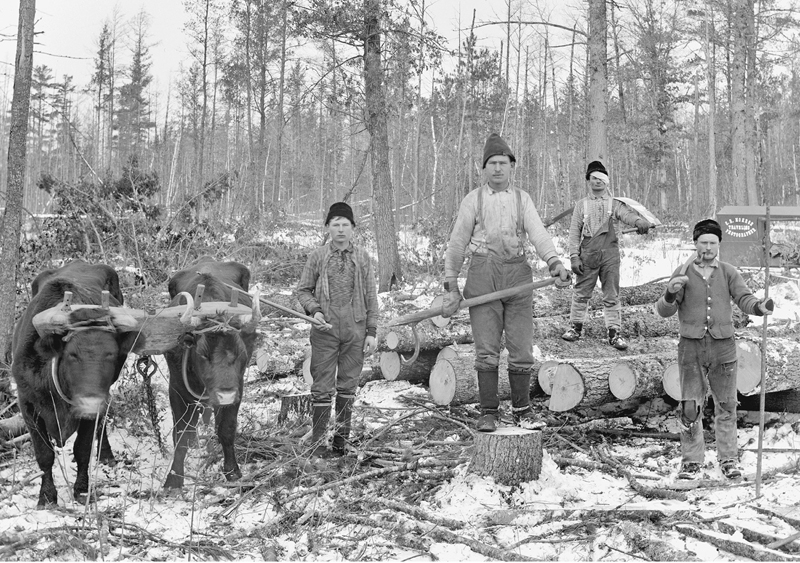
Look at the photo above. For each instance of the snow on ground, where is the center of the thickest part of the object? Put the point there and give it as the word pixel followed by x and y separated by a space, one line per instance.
pixel 499 514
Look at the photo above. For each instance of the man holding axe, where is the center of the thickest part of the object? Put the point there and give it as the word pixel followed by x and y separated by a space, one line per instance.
pixel 493 224
pixel 701 292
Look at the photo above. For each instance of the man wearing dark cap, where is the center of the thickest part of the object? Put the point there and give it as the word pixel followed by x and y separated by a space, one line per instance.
pixel 701 292
pixel 337 287
pixel 492 226
pixel 594 253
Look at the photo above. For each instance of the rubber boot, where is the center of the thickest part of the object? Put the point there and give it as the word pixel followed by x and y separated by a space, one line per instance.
pixel 487 391
pixel 344 414
pixel 520 383
pixel 320 415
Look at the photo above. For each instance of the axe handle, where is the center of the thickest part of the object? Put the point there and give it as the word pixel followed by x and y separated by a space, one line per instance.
pixel 634 229
pixel 472 302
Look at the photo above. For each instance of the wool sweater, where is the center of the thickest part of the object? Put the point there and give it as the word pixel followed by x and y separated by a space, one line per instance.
pixel 704 304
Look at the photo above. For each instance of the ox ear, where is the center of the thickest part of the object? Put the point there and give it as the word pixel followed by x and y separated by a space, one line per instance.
pixel 50 345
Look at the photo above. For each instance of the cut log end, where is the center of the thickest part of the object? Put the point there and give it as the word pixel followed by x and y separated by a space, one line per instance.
pixel 672 381
pixel 622 381
pixel 567 389
pixel 511 455
pixel 442 382
pixel 439 320
pixel 547 372
pixel 389 363
pixel 392 340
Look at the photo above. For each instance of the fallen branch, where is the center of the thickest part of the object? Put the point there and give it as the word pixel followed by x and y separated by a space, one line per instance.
pixel 432 531
pixel 648 492
pixel 794 522
pixel 644 539
pixel 410 466
pixel 763 538
pixel 734 546
pixel 419 513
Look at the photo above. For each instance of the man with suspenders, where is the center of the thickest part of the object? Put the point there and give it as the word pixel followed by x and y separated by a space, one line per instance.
pixel 594 253
pixel 492 224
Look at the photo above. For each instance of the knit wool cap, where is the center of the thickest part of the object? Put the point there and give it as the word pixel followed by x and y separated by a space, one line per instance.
pixel 340 209
pixel 595 166
pixel 706 226
pixel 496 145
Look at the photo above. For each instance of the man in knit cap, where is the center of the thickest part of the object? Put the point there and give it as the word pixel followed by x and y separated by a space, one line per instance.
pixel 493 224
pixel 594 253
pixel 337 287
pixel 701 292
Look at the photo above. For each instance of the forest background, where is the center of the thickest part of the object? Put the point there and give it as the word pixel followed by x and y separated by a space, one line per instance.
pixel 280 108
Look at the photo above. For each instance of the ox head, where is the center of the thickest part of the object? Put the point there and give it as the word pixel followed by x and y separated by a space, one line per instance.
pixel 86 349
pixel 218 350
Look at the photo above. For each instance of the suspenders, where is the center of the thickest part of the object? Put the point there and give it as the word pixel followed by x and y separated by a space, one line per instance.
pixel 520 223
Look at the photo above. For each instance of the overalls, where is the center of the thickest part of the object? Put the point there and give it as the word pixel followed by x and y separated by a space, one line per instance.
pixel 600 257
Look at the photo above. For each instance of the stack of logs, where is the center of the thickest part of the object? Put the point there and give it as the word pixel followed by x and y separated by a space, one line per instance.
pixel 585 373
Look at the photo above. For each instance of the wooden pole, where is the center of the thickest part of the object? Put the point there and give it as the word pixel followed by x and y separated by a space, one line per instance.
pixel 762 398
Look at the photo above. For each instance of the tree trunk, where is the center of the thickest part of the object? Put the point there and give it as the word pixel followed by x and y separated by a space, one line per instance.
pixel 598 81
pixel 510 455
pixel 389 365
pixel 279 118
pixel 17 146
pixel 711 77
pixel 739 103
pixel 389 269
pixel 454 381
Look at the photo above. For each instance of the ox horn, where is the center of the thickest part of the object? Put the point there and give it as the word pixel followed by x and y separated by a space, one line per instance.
pixel 256 297
pixel 186 317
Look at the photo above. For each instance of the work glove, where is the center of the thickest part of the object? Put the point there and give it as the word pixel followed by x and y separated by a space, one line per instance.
pixel 558 271
pixel 674 286
pixel 765 306
pixel 452 298
pixel 576 264
pixel 642 226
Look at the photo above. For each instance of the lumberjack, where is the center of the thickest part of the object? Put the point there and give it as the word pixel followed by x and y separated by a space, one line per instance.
pixel 493 222
pixel 701 292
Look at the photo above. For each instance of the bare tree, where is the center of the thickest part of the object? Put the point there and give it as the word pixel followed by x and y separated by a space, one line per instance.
pixel 17 146
pixel 597 148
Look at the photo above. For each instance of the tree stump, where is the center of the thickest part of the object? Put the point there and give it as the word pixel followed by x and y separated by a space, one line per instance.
pixel 511 455
pixel 454 381
pixel 295 405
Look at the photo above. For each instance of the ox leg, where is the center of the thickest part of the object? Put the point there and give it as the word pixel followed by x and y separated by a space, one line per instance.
pixel 82 450
pixel 106 453
pixel 45 457
pixel 184 431
pixel 225 418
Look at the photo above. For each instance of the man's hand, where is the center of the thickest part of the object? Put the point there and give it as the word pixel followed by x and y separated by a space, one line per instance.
pixel 766 306
pixel 558 271
pixel 642 226
pixel 576 264
pixel 369 345
pixel 323 324
pixel 675 284
pixel 450 303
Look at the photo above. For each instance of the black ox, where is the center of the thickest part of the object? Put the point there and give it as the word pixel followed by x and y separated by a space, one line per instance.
pixel 64 375
pixel 208 370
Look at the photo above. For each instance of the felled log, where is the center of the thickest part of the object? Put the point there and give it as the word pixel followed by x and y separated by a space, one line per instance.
pixel 431 337
pixel 589 382
pixel 388 364
pixel 733 545
pixel 553 301
pixel 783 366
pixel 509 454
pixel 12 427
pixel 454 381
pixel 780 401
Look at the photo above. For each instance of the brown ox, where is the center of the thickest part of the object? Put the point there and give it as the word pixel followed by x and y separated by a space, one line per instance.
pixel 64 378
pixel 208 370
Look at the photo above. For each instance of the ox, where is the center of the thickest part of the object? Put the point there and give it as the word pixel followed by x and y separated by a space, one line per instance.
pixel 208 371
pixel 64 374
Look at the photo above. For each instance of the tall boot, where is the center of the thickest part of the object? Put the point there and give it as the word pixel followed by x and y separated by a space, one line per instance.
pixel 487 391
pixel 320 415
pixel 520 383
pixel 344 414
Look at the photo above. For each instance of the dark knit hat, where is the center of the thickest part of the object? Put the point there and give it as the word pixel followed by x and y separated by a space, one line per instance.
pixel 340 209
pixel 496 145
pixel 595 166
pixel 706 226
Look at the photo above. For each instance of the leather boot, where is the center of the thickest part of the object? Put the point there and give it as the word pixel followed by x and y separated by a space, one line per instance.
pixel 487 391
pixel 523 415
pixel 344 414
pixel 320 415
pixel 616 340
pixel 573 332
